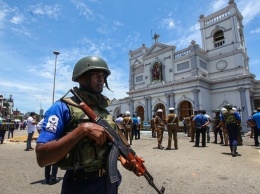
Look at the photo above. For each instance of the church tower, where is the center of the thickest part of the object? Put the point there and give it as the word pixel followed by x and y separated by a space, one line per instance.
pixel 222 35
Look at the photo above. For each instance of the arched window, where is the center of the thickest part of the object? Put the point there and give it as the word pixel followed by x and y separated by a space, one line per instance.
pixel 219 39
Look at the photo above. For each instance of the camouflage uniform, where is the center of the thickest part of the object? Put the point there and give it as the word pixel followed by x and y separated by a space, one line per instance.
pixel 192 129
pixel 128 123
pixel 153 127
pixel 232 120
pixel 159 122
pixel 172 126
pixel 217 128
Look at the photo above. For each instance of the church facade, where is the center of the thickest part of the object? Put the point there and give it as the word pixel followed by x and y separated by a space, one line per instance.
pixel 194 78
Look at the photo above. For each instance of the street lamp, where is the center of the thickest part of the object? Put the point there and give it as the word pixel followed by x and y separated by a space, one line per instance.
pixel 241 110
pixel 56 53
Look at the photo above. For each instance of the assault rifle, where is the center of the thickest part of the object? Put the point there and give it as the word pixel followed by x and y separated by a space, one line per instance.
pixel 119 145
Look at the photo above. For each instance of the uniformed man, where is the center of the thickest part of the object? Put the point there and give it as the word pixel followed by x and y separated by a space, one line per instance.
pixel 251 123
pixel 192 128
pixel 187 123
pixel 3 129
pixel 217 127
pixel 231 122
pixel 240 139
pixel 160 122
pixel 11 127
pixel 128 123
pixel 224 130
pixel 153 126
pixel 200 122
pixel 172 122
pixel 256 118
pixel 69 137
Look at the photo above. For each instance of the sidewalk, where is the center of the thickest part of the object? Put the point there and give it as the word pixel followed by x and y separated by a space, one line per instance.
pixel 186 170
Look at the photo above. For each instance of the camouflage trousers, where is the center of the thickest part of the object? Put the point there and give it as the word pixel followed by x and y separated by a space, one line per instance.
pixel 160 135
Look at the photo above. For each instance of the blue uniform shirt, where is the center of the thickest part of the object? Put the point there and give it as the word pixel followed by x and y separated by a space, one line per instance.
pixel 256 118
pixel 135 120
pixel 55 120
pixel 200 118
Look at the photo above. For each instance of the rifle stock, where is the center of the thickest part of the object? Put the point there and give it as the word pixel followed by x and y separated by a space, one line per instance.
pixel 126 151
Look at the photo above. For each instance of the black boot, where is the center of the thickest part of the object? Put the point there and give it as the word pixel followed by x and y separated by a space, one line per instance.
pixel 233 152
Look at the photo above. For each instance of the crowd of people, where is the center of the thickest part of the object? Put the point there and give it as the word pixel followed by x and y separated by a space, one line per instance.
pixel 226 124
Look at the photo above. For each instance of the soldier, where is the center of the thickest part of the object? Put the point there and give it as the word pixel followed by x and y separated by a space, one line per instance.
pixel 217 127
pixel 3 129
pixel 225 133
pixel 11 128
pixel 192 128
pixel 240 139
pixel 187 123
pixel 153 127
pixel 253 127
pixel 128 123
pixel 69 137
pixel 160 122
pixel 231 121
pixel 172 126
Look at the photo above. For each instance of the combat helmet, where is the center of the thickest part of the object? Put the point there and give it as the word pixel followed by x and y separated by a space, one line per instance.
pixel 228 106
pixel 216 111
pixel 90 63
pixel 254 111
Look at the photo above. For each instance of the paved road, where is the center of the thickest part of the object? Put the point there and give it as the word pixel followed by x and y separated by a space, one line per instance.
pixel 187 170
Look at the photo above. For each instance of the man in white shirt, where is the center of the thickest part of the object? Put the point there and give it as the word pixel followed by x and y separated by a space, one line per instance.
pixel 208 128
pixel 31 125
pixel 119 121
pixel 139 127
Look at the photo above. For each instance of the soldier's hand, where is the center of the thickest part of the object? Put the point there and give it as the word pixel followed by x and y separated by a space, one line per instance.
pixel 94 131
pixel 132 165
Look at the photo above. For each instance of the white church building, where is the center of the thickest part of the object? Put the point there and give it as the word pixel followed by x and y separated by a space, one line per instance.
pixel 194 78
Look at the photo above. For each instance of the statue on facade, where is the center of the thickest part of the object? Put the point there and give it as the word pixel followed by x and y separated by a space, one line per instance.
pixel 156 72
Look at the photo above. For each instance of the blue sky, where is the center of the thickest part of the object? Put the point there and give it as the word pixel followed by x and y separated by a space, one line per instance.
pixel 30 30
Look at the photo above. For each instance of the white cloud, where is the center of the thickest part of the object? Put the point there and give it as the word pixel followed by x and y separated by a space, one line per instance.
pixel 185 41
pixel 118 23
pixel 84 9
pixel 17 19
pixel 255 31
pixel 218 4
pixel 249 10
pixel 22 31
pixel 52 11
pixel 167 23
pixel 195 27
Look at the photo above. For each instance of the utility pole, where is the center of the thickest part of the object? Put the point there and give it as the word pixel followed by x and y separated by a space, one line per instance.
pixel 56 53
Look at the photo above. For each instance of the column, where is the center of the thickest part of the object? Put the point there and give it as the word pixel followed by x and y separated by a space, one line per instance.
pixel 195 92
pixel 150 108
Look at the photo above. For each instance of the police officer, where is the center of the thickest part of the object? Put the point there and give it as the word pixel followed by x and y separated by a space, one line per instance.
pixel 128 123
pixel 231 121
pixel 217 127
pixel 256 118
pixel 192 128
pixel 77 144
pixel 160 122
pixel 200 122
pixel 153 126
pixel 172 126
